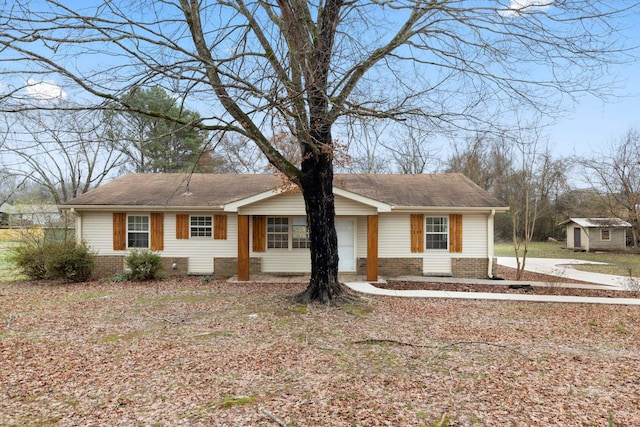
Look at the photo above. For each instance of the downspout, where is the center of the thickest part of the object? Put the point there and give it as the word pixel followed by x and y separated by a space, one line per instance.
pixel 490 238
pixel 78 225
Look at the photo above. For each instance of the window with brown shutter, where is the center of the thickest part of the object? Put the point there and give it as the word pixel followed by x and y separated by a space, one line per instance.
pixel 220 227
pixel 157 231
pixel 417 233
pixel 119 231
pixel 455 233
pixel 182 226
pixel 259 233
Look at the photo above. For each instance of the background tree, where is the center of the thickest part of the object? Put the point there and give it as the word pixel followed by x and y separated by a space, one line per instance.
pixel 154 143
pixel 311 66
pixel 614 173
pixel 66 153
pixel 528 189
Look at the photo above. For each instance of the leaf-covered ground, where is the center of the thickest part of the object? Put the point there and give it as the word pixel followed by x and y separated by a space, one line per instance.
pixel 191 352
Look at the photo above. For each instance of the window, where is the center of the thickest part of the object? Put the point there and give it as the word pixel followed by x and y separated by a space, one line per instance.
pixel 201 226
pixel 437 232
pixel 287 233
pixel 605 235
pixel 277 233
pixel 300 234
pixel 138 231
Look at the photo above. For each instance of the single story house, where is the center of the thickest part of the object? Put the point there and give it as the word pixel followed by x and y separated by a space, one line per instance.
pixel 590 234
pixel 390 225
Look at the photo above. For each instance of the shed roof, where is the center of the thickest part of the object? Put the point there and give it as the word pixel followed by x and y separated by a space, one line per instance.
pixel 598 222
pixel 217 190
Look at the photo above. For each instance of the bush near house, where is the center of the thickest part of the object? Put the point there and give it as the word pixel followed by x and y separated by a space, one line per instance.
pixel 143 265
pixel 38 259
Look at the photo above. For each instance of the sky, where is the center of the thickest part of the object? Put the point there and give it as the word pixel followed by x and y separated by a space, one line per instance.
pixel 587 127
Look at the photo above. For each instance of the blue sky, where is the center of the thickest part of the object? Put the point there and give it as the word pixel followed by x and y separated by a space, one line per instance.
pixel 587 127
pixel 593 122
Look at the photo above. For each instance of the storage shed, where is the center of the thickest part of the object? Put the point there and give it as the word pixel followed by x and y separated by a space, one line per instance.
pixel 591 234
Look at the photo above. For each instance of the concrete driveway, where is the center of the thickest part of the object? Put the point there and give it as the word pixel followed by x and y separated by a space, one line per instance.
pixel 563 268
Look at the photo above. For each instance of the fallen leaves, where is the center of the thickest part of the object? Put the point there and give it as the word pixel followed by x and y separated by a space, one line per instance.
pixel 194 353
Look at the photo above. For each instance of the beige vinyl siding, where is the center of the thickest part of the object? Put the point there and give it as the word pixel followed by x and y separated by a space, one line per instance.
pixel 292 204
pixel 361 237
pixel 395 241
pixel 474 238
pixel 97 232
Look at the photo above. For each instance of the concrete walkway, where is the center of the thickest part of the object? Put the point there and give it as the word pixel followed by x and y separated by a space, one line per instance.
pixel 368 288
pixel 563 268
pixel 560 268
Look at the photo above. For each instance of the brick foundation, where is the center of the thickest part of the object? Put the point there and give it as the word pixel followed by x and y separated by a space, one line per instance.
pixel 229 266
pixel 393 267
pixel 107 265
pixel 470 268
pixel 182 266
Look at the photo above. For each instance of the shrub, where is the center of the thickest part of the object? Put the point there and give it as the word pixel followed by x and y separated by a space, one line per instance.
pixel 144 265
pixel 29 259
pixel 69 261
pixel 38 259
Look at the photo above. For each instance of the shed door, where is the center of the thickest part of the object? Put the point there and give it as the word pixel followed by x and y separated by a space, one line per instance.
pixel 576 238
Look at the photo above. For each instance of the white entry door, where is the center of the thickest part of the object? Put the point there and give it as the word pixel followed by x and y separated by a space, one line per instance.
pixel 346 248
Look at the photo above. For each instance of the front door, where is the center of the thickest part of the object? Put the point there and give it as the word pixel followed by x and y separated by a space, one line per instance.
pixel 576 238
pixel 346 248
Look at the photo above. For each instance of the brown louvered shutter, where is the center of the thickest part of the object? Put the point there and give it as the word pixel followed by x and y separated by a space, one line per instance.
pixel 259 233
pixel 119 231
pixel 455 233
pixel 182 226
pixel 220 227
pixel 157 231
pixel 417 233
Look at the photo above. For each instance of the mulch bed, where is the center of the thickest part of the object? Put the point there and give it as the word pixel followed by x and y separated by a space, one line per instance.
pixel 527 280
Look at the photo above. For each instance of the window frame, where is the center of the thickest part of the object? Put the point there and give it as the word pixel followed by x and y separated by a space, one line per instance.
pixel 429 231
pixel 277 222
pixel 602 233
pixel 139 232
pixel 292 243
pixel 204 227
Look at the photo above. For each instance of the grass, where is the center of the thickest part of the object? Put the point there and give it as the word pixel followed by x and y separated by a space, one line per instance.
pixel 7 271
pixel 620 263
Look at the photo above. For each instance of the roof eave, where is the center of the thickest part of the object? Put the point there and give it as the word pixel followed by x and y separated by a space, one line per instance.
pixel 450 208
pixel 139 208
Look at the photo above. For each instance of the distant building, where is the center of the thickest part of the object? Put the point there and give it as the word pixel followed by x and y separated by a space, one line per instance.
pixel 591 234
pixel 29 215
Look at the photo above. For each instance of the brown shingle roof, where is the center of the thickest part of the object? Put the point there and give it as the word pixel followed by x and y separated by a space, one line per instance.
pixel 203 190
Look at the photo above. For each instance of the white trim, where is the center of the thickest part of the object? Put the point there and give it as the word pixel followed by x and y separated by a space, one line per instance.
pixel 233 206
pixel 140 208
pixel 450 209
pixel 381 206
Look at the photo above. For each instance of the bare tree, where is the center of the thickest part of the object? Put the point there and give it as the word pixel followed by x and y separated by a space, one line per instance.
pixel 483 158
pixel 308 66
pixel 615 174
pixel 66 153
pixel 527 189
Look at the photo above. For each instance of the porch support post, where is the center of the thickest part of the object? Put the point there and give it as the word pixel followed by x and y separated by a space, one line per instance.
pixel 243 247
pixel 372 248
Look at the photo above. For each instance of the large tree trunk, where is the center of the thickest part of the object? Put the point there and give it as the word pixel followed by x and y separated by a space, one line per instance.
pixel 317 190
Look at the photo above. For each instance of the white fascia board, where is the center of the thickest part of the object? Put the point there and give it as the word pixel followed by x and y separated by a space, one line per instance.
pixel 140 208
pixel 234 206
pixel 488 209
pixel 380 206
